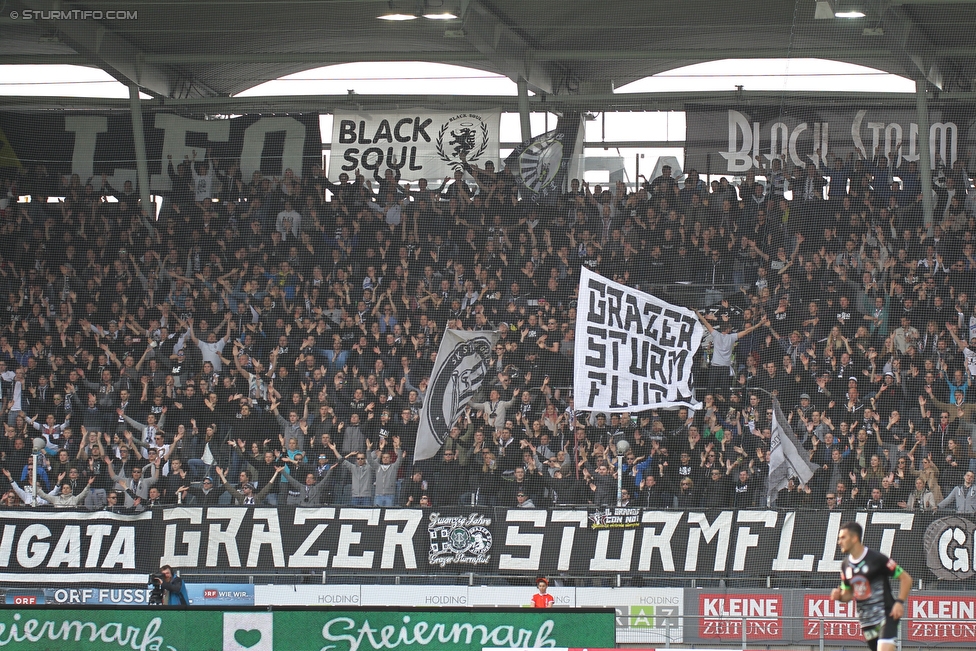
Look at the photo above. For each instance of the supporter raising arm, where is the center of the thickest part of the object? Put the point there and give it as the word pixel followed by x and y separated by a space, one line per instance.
pixel 723 344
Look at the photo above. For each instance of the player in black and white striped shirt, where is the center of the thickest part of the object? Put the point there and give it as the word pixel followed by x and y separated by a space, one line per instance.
pixel 865 577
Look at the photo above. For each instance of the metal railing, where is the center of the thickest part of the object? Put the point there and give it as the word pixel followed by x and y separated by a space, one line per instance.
pixel 691 295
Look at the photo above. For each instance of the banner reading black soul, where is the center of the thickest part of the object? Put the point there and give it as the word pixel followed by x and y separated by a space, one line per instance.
pixel 50 547
pixel 540 165
pixel 90 145
pixel 728 140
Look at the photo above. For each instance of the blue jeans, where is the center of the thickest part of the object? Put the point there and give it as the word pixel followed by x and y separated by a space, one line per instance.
pixel 362 501
pixel 383 500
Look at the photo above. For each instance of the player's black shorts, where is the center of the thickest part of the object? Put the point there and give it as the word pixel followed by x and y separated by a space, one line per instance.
pixel 887 630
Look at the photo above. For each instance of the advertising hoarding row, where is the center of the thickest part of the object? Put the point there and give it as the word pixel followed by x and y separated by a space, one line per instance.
pixel 305 630
pixel 652 616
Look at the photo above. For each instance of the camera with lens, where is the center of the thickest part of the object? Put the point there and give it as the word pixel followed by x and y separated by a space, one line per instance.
pixel 156 596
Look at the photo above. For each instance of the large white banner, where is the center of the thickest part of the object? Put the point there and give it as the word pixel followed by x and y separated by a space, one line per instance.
pixel 461 367
pixel 419 143
pixel 633 350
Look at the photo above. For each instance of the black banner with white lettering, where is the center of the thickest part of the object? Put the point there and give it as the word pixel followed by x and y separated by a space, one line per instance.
pixel 92 145
pixel 58 546
pixel 728 141
pixel 43 546
pixel 341 538
pixel 704 544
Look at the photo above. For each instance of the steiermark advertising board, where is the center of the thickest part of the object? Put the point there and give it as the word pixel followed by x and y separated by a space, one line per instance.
pixel 338 630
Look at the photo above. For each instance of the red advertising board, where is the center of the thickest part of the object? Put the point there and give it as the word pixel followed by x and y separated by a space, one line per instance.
pixel 942 619
pixel 838 620
pixel 722 616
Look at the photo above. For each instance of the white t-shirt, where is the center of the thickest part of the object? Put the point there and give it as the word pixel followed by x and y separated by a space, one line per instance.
pixel 970 360
pixel 203 183
pixel 723 344
pixel 211 352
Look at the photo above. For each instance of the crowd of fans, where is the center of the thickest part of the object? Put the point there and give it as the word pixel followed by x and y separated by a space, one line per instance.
pixel 270 340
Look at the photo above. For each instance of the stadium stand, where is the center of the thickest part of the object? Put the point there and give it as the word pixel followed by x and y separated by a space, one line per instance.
pixel 293 323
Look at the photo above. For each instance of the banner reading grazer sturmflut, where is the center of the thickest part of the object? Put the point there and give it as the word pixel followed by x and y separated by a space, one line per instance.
pixel 417 142
pixel 460 369
pixel 633 350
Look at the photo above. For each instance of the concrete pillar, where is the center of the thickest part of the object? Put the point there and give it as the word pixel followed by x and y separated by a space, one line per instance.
pixel 142 167
pixel 523 106
pixel 924 153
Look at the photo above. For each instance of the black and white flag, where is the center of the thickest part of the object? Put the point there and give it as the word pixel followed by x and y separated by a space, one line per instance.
pixel 540 165
pixel 460 369
pixel 787 458
pixel 633 350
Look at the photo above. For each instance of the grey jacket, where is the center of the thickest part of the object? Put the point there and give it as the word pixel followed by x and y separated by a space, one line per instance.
pixel 386 474
pixel 291 431
pixel 141 428
pixel 307 495
pixel 963 498
pixel 353 439
pixel 362 478
pixel 495 412
pixel 62 501
pixel 140 488
pixel 927 501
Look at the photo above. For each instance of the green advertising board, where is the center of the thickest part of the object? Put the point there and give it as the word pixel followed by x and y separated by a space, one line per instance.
pixel 301 630
pixel 136 630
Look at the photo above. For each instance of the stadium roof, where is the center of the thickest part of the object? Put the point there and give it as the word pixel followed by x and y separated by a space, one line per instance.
pixel 217 48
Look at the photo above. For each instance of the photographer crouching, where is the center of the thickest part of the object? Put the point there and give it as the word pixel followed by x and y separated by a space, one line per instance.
pixel 167 589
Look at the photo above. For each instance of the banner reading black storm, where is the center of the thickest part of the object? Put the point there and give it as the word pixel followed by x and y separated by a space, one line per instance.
pixel 729 141
pixel 416 142
pixel 90 145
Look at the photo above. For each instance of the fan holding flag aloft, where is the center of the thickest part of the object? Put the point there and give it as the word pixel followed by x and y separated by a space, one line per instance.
pixel 787 457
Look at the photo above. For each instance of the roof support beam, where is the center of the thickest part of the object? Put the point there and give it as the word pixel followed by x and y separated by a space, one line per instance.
pixel 45 59
pixel 505 48
pixel 932 2
pixel 907 40
pixel 578 103
pixel 326 58
pixel 109 50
